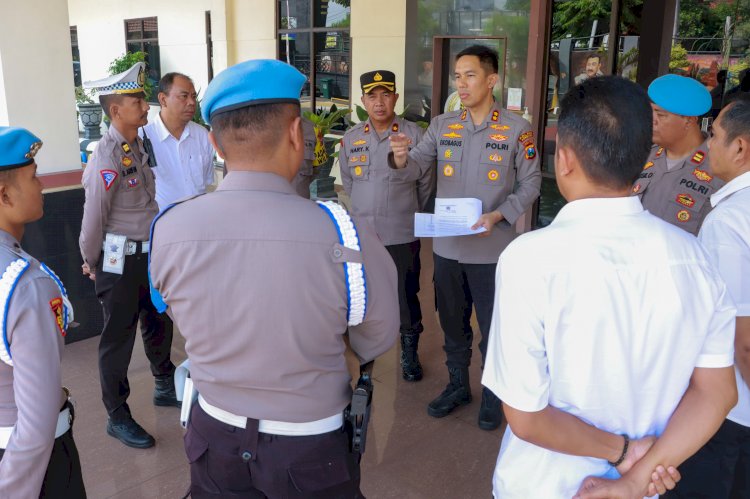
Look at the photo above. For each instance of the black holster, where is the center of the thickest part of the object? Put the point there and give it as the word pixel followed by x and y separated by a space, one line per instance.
pixel 357 415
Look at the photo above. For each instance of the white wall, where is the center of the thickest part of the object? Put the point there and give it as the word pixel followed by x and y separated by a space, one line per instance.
pixel 182 34
pixel 36 79
pixel 251 30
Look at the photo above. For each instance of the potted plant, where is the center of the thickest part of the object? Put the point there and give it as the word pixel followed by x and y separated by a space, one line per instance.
pixel 89 114
pixel 324 121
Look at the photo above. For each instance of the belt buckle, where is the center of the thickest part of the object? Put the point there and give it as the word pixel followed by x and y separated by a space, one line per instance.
pixel 132 247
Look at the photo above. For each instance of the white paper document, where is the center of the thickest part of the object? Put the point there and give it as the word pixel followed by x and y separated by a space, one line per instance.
pixel 452 217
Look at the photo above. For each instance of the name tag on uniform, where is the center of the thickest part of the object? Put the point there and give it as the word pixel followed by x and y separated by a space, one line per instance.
pixel 114 253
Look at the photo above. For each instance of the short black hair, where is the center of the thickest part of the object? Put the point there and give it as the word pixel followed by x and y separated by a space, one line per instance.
pixel 488 57
pixel 166 82
pixel 607 122
pixel 736 118
pixel 107 101
pixel 260 126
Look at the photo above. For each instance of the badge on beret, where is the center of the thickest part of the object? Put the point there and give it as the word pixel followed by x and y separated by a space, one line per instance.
pixel 33 149
pixel 358 171
pixel 126 161
pixel 109 177
pixel 56 304
pixel 683 215
pixel 530 152
pixel 648 165
pixel 125 147
pixel 359 142
pixel 636 188
pixel 496 158
pixel 493 175
pixel 456 126
pixel 698 157
pixel 452 135
pixel 394 128
pixel 448 170
pixel 502 128
pixel 701 175
pixel 685 200
pixel 659 151
pixel 498 137
pixel 495 115
pixel 448 153
pixel 525 136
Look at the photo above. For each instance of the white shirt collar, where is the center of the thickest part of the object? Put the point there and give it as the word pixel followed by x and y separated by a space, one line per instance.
pixel 599 207
pixel 163 133
pixel 734 185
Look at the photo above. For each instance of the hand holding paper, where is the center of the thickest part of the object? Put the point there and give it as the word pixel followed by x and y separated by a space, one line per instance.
pixel 452 217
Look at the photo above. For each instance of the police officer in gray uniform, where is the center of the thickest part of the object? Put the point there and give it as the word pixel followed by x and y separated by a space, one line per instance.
pixel 676 182
pixel 483 152
pixel 120 206
pixel 38 457
pixel 387 202
pixel 308 169
pixel 292 277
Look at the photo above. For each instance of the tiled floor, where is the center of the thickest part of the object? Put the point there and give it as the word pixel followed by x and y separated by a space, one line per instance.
pixel 409 454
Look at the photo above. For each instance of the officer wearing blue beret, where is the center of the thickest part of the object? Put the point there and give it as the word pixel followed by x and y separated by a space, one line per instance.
pixel 38 457
pixel 676 182
pixel 120 206
pixel 267 351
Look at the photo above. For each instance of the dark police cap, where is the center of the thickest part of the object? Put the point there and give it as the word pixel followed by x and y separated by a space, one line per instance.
pixel 18 147
pixel 250 83
pixel 380 78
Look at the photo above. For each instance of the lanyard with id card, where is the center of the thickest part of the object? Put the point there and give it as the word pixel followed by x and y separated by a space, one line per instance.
pixel 114 253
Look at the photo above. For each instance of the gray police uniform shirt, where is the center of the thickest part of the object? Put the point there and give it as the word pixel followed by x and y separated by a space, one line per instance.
pixel 30 394
pixel 679 196
pixel 306 174
pixel 495 162
pixel 120 194
pixel 378 193
pixel 275 303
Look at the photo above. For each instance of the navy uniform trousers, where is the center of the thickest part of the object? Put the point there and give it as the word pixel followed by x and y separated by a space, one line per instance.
pixel 408 267
pixel 245 463
pixel 126 300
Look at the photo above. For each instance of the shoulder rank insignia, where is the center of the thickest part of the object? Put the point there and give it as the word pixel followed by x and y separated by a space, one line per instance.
pixel 498 137
pixel 456 126
pixel 463 115
pixel 495 115
pixel 685 200
pixel 394 128
pixel 683 215
pixel 702 175
pixel 636 188
pixel 658 152
pixel 109 177
pixel 452 135
pixel 125 147
pixel 502 128
pixel 367 128
pixel 698 157
pixel 648 165
pixel 359 142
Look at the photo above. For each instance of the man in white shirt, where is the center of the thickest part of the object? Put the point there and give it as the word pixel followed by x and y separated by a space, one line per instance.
pixel 722 467
pixel 614 326
pixel 184 156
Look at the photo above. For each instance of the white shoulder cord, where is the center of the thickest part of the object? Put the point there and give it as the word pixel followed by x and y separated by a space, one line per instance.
pixel 8 283
pixel 356 283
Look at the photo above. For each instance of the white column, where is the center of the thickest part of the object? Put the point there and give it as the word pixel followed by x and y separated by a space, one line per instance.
pixel 36 79
pixel 251 30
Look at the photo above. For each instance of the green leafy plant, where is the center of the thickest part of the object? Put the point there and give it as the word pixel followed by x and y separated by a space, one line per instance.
pixel 327 119
pixel 82 96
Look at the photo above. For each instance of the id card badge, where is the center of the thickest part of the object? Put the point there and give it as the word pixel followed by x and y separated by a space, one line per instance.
pixel 114 253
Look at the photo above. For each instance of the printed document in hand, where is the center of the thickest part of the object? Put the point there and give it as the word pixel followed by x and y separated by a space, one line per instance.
pixel 452 217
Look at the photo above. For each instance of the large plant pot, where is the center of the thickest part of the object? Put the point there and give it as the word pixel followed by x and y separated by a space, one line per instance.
pixel 91 118
pixel 322 186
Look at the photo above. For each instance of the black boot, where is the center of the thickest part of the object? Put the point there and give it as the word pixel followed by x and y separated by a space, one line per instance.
pixel 130 433
pixel 490 414
pixel 164 393
pixel 411 369
pixel 457 393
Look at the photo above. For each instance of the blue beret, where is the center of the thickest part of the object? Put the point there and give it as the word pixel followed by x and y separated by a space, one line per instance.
pixel 680 95
pixel 249 83
pixel 18 147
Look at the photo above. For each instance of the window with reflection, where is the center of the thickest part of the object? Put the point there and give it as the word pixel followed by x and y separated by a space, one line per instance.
pixel 142 35
pixel 313 36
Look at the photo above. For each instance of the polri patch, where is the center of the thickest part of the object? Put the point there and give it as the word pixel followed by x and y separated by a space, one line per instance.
pixel 56 304
pixel 526 136
pixel 109 177
pixel 531 152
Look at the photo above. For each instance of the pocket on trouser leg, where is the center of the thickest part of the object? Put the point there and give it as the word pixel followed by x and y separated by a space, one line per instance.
pixel 215 471
pixel 328 478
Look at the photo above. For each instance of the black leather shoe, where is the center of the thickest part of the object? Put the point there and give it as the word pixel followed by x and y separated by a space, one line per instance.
pixel 456 394
pixel 164 392
pixel 411 369
pixel 490 414
pixel 130 433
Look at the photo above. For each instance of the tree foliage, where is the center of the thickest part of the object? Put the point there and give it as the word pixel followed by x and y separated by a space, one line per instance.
pixel 575 18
